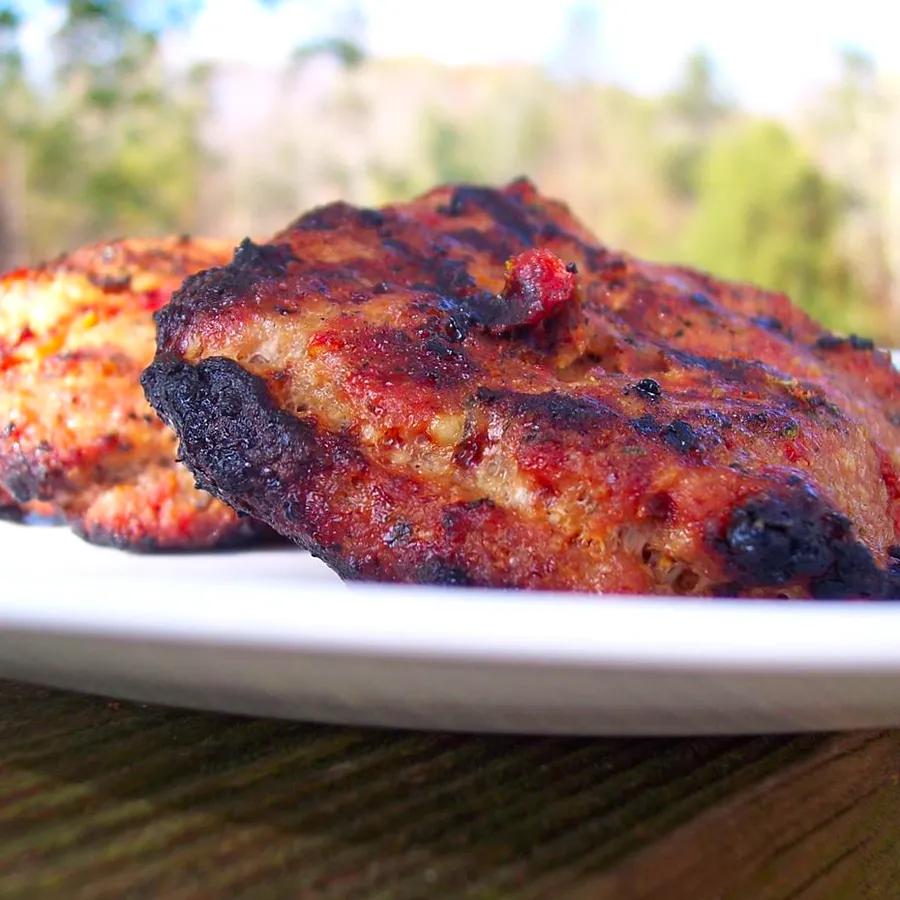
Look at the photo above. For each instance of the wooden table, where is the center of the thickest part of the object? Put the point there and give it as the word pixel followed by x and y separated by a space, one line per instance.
pixel 103 798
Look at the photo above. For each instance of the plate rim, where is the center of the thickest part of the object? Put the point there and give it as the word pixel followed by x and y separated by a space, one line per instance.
pixel 483 625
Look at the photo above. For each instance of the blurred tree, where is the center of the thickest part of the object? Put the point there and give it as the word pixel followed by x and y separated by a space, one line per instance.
pixel 765 213
pixel 695 107
pixel 114 141
pixel 697 100
pixel 343 50
pixel 450 151
pixel 15 106
pixel 344 42
pixel 116 146
pixel 498 128
pixel 10 57
pixel 854 132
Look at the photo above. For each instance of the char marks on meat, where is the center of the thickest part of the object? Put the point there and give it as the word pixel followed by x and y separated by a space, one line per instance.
pixel 78 442
pixel 471 389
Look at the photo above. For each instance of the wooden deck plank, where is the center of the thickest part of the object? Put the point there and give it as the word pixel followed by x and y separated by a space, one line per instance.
pixel 103 799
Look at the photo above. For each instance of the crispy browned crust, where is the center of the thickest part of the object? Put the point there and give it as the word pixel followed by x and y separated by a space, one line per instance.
pixel 77 439
pixel 382 388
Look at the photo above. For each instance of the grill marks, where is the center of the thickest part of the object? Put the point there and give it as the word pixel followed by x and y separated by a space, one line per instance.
pixel 78 442
pixel 504 210
pixel 253 268
pixel 338 215
pixel 388 354
pixel 321 488
pixel 643 389
pixel 550 412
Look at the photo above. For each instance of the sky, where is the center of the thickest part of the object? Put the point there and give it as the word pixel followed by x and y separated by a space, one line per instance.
pixel 769 55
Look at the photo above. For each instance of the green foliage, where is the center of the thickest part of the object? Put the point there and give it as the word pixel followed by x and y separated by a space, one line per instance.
pixel 449 150
pixel 695 107
pixel 10 58
pixel 766 214
pixel 697 99
pixel 113 147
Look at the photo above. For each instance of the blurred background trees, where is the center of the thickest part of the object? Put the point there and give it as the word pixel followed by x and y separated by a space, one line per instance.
pixel 109 144
pixel 766 213
pixel 116 138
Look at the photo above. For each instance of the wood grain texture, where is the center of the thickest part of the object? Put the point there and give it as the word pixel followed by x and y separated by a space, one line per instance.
pixel 103 799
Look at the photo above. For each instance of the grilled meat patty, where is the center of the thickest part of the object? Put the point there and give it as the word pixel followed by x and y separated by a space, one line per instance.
pixel 78 441
pixel 470 389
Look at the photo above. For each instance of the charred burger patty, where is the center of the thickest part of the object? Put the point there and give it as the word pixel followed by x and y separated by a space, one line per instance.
pixel 471 389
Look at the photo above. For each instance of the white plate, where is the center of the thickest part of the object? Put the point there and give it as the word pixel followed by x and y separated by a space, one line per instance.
pixel 274 632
